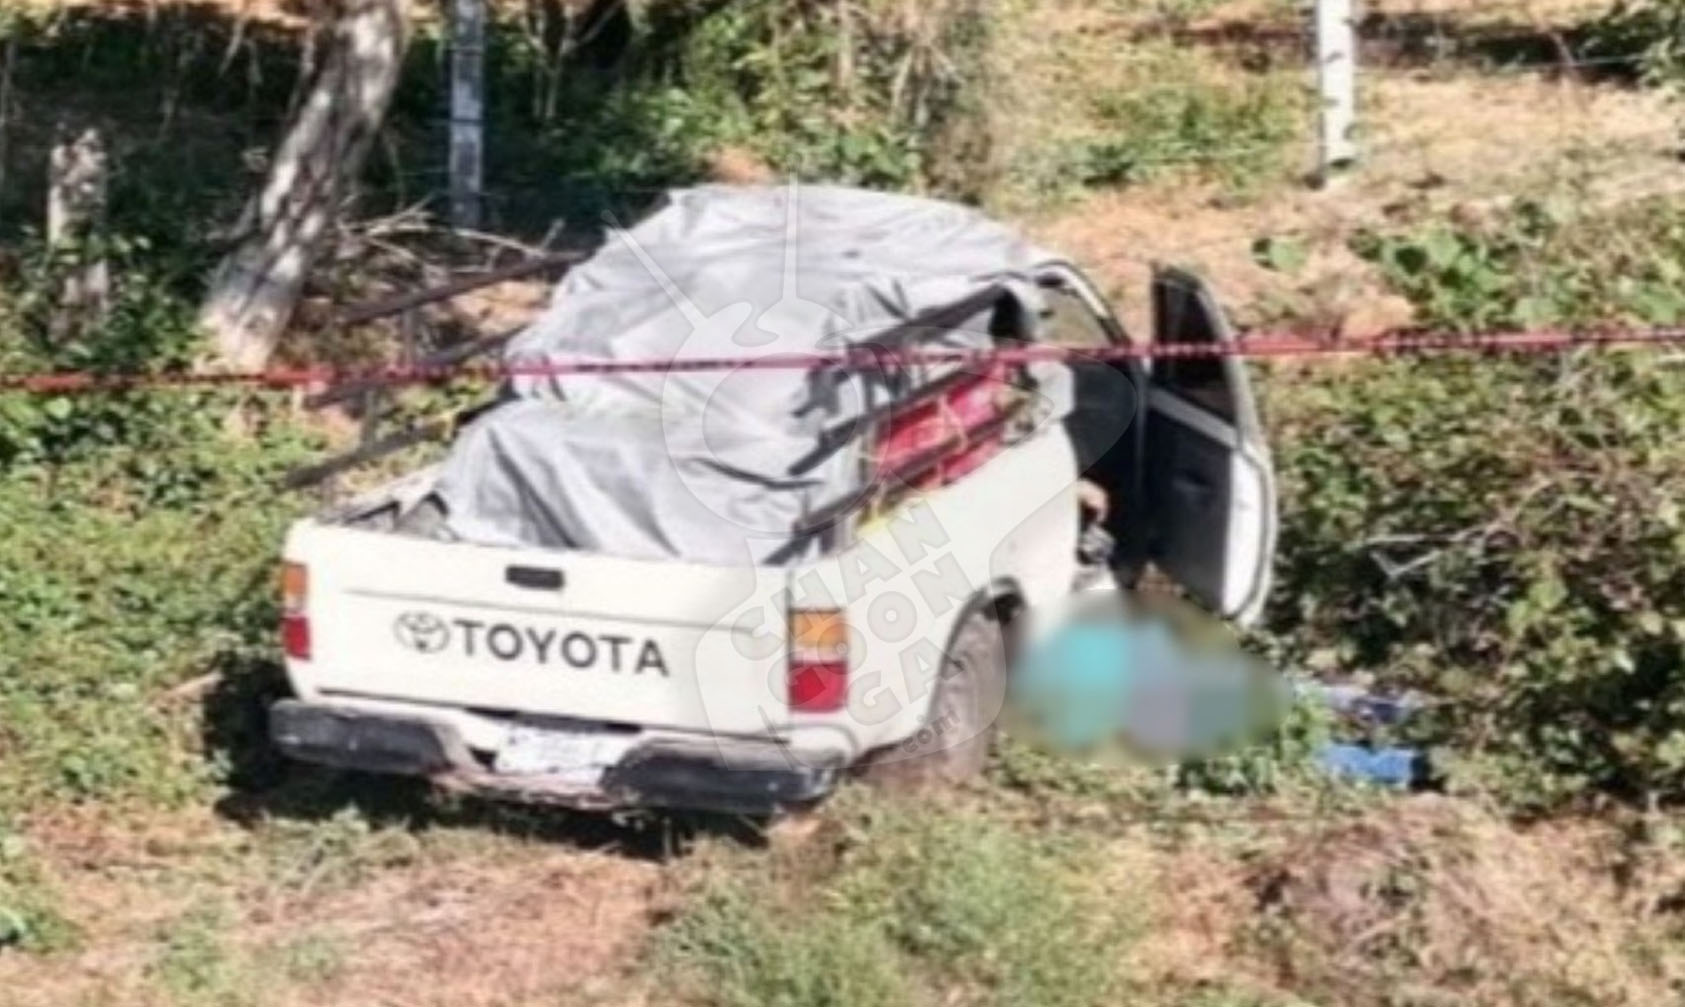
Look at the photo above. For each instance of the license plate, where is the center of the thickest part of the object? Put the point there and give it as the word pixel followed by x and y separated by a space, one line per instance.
pixel 577 755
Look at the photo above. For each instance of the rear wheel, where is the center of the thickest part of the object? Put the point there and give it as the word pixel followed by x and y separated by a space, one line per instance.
pixel 953 743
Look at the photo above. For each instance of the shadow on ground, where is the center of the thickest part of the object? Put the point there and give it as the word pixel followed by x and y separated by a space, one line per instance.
pixel 264 786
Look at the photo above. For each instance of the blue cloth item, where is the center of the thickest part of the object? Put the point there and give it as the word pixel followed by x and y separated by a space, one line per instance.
pixel 1393 766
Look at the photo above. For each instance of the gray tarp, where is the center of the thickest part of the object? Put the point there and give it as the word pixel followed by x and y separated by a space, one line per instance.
pixel 718 466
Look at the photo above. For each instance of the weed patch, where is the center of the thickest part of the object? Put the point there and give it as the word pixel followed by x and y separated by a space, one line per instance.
pixel 194 962
pixel 108 604
pixel 1505 534
pixel 745 957
pixel 1539 264
pixel 1171 112
pixel 29 915
pixel 922 906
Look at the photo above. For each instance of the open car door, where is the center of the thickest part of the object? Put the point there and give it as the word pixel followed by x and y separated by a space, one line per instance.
pixel 1210 487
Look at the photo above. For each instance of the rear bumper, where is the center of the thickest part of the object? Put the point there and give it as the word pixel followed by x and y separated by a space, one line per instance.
pixel 719 775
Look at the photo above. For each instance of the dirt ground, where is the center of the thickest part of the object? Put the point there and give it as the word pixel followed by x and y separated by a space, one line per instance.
pixel 191 907
pixel 1431 892
pixel 1417 899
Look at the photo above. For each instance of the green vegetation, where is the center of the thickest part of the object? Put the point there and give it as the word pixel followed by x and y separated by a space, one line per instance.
pixel 29 917
pixel 181 125
pixel 193 962
pixel 139 552
pixel 1162 111
pixel 1236 129
pixel 584 116
pixel 918 907
pixel 1651 32
pixel 1506 534
pixel 1539 264
pixel 876 94
pixel 876 100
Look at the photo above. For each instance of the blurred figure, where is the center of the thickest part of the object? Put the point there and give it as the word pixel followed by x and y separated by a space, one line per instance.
pixel 1162 681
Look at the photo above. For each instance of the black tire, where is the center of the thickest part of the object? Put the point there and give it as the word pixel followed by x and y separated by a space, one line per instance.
pixel 953 744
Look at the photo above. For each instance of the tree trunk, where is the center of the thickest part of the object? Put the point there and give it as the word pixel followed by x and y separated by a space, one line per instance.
pixel 254 290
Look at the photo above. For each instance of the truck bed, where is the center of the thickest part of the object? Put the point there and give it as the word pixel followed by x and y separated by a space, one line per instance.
pixel 401 618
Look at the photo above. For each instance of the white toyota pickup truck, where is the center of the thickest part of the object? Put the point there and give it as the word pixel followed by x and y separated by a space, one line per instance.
pixel 583 667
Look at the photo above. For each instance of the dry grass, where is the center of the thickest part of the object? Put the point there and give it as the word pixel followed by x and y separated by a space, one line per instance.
pixel 1420 900
pixel 189 908
pixel 1436 145
pixel 1424 900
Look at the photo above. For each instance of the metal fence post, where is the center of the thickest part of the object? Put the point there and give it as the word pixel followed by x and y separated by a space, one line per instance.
pixel 1336 82
pixel 467 111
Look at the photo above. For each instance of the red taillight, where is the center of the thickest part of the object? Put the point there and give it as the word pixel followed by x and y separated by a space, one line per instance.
pixel 817 679
pixel 818 686
pixel 295 637
pixel 295 623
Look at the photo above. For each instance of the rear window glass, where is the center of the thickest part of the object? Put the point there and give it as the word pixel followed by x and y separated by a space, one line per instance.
pixel 1070 322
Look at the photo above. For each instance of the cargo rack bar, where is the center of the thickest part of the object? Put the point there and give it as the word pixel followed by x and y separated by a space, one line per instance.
pixel 890 341
pixel 371 445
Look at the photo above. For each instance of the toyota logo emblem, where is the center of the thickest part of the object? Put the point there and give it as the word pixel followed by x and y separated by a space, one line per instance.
pixel 422 632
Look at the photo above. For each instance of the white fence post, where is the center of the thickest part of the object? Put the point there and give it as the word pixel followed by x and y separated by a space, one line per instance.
pixel 467 111
pixel 1336 81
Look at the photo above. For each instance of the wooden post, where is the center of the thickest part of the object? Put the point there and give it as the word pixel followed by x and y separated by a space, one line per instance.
pixel 78 176
pixel 1336 79
pixel 467 111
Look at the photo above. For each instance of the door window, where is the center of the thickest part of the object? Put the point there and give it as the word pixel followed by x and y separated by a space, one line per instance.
pixel 1209 484
pixel 1184 313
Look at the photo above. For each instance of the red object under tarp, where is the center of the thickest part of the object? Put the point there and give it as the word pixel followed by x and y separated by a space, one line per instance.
pixel 965 417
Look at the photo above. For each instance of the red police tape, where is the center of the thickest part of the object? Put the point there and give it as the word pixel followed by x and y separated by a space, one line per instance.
pixel 1257 346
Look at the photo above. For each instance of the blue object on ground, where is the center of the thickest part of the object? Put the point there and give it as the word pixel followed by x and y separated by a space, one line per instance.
pixel 1392 766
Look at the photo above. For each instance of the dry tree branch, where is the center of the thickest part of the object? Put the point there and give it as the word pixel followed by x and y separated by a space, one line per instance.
pixel 237 38
pixel 394 227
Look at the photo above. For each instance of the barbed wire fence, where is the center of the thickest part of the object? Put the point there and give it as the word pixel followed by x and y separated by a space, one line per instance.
pixel 1415 109
pixel 1352 56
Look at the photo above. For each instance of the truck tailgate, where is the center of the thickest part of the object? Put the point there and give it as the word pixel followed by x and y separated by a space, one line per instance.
pixel 570 634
